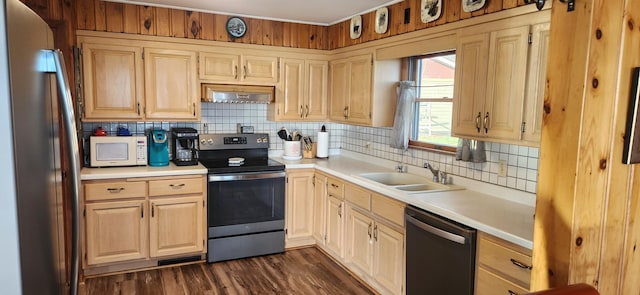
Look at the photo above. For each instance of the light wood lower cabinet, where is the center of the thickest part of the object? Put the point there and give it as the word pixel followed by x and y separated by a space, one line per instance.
pixel 131 223
pixel 503 268
pixel 319 207
pixel 116 231
pixel 299 208
pixel 175 226
pixel 335 226
pixel 374 245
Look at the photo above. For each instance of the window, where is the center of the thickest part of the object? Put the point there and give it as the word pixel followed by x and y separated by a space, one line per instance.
pixel 433 75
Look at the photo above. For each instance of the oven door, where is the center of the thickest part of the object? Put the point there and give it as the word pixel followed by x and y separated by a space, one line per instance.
pixel 244 203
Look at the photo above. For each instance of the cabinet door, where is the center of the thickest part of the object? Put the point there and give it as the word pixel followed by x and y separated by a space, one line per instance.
pixel 319 204
pixel 537 72
pixel 469 89
pixel 388 253
pixel 176 226
pixel 502 117
pixel 335 226
pixel 340 85
pixel 115 231
pixel 259 69
pixel 171 86
pixel 315 107
pixel 299 205
pixel 113 82
pixel 359 110
pixel 359 241
pixel 291 95
pixel 219 67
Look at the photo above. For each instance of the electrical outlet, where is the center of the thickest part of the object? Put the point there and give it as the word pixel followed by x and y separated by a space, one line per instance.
pixel 367 145
pixel 502 168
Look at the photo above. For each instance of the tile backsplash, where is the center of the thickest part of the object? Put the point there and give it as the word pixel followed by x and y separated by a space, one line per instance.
pixel 522 161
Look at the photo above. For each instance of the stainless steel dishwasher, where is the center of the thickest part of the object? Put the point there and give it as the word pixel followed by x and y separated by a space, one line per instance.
pixel 441 255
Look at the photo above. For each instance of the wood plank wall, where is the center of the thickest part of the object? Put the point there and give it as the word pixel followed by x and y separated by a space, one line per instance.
pixel 588 202
pixel 97 15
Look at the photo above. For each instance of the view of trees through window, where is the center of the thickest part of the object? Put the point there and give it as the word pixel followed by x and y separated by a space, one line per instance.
pixel 434 75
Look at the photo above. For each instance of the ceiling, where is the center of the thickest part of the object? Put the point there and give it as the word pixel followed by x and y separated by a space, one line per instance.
pixel 318 12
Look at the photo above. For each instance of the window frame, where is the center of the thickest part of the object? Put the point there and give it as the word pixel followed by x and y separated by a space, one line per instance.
pixel 411 72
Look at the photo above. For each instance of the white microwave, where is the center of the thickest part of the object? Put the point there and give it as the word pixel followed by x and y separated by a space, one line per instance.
pixel 108 151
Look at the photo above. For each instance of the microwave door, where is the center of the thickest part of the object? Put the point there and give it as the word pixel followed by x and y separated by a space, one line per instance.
pixel 109 152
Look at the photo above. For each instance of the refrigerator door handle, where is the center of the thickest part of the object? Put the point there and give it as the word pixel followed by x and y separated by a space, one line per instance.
pixel 73 151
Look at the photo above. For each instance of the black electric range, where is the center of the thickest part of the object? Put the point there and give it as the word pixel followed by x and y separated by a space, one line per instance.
pixel 245 192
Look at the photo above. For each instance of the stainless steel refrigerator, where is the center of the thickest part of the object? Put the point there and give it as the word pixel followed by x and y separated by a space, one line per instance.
pixel 34 92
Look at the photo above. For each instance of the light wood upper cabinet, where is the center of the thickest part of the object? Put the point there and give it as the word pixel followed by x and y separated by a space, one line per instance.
pixel 490 80
pixel 171 86
pixel 113 81
pixel 363 92
pixel 175 226
pixel 534 98
pixel 218 67
pixel 299 208
pixel 116 231
pixel 301 94
pixel 133 83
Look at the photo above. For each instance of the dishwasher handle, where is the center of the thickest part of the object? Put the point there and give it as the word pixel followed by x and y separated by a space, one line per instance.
pixel 436 231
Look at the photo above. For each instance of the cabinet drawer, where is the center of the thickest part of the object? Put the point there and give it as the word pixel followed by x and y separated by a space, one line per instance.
pixel 335 188
pixel 114 190
pixel 175 186
pixel 488 283
pixel 501 259
pixel 358 196
pixel 388 209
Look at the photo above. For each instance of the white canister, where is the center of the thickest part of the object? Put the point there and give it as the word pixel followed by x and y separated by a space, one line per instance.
pixel 292 149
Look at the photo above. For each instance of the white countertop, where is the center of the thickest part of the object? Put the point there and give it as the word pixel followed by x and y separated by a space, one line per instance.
pixel 499 211
pixel 141 171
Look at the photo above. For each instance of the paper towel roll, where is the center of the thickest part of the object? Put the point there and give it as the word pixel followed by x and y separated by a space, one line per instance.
pixel 323 145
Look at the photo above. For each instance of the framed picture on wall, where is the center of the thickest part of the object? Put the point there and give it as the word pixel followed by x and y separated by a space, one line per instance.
pixel 355 29
pixel 382 20
pixel 430 10
pixel 472 5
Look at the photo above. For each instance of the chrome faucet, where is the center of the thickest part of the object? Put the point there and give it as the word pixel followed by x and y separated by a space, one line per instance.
pixel 435 172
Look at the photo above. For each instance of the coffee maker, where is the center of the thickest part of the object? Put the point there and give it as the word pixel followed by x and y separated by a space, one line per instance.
pixel 158 149
pixel 185 146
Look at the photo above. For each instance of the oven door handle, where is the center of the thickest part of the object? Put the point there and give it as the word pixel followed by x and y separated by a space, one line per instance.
pixel 246 176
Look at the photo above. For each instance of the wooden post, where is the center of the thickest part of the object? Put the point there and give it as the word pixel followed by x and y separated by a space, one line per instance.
pixel 587 203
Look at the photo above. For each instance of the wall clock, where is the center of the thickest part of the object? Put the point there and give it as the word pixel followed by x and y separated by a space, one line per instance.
pixel 236 27
pixel 355 29
pixel 382 20
pixel 472 5
pixel 430 10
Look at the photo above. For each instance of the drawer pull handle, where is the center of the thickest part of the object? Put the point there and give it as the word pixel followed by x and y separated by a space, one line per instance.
pixel 115 190
pixel 177 186
pixel 512 293
pixel 520 264
pixel 334 185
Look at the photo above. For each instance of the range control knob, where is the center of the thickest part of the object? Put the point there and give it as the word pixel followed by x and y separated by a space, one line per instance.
pixel 210 141
pixel 203 141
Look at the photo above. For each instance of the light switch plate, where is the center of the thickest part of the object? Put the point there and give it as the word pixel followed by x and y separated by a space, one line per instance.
pixel 502 168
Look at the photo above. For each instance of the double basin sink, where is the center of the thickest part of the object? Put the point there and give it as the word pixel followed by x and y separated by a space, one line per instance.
pixel 408 183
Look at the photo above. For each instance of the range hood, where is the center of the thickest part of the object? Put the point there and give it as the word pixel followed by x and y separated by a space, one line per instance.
pixel 221 93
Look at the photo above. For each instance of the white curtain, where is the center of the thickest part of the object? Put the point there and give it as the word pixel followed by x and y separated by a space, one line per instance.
pixel 404 112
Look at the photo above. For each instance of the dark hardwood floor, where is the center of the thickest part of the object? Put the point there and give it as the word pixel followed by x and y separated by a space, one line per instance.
pixel 301 271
